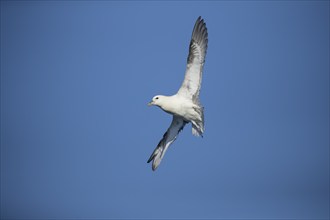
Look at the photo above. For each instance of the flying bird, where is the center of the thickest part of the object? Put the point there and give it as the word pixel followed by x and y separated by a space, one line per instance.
pixel 184 105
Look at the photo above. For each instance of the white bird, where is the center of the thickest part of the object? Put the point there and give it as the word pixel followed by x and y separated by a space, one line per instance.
pixel 184 105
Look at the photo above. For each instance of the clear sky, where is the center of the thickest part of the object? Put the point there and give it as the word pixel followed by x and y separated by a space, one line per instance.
pixel 76 132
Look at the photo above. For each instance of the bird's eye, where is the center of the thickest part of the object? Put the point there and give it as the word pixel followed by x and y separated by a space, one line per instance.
pixel 157 98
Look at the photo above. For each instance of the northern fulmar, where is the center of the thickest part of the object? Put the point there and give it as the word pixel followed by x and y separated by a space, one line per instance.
pixel 184 105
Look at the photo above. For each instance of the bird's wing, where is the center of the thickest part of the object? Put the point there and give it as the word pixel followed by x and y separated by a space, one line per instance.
pixel 196 58
pixel 168 138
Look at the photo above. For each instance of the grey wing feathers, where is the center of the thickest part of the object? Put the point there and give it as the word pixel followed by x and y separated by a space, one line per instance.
pixel 168 138
pixel 198 43
pixel 197 51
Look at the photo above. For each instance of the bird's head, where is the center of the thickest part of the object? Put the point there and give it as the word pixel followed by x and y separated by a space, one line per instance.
pixel 156 100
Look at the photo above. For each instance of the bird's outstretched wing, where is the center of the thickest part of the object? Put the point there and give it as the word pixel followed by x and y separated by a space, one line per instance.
pixel 169 137
pixel 196 58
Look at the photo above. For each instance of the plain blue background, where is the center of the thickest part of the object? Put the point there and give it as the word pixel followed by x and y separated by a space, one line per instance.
pixel 76 131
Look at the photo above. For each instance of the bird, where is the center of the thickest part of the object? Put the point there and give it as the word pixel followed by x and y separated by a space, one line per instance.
pixel 185 105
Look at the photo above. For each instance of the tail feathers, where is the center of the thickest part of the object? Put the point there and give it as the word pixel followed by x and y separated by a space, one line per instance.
pixel 157 156
pixel 198 125
pixel 197 130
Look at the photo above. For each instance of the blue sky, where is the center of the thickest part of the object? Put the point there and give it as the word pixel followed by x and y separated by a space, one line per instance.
pixel 76 131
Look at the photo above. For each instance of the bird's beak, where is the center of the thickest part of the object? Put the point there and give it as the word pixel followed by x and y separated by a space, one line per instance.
pixel 150 103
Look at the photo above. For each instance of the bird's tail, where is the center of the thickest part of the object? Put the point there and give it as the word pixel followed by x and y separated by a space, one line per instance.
pixel 198 125
pixel 157 156
pixel 197 129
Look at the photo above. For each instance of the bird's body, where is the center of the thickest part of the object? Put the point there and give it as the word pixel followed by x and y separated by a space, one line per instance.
pixel 184 105
pixel 181 107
